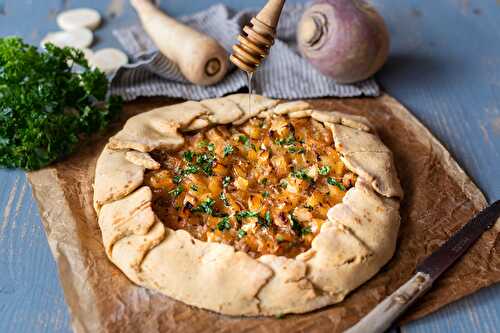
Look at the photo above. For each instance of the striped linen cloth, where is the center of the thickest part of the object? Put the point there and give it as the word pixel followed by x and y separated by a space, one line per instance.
pixel 284 74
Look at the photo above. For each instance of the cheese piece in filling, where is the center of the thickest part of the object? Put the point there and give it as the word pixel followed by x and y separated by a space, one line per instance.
pixel 263 187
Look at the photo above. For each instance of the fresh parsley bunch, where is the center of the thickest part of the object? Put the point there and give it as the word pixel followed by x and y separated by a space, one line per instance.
pixel 45 107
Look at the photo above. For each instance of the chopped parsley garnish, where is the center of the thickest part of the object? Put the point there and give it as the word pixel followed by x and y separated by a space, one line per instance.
pixel 190 169
pixel 244 214
pixel 202 144
pixel 264 181
pixel 223 197
pixel 266 221
pixel 302 174
pixel 226 180
pixel 324 170
pixel 295 224
pixel 295 149
pixel 228 150
pixel 176 191
pixel 280 238
pixel 205 207
pixel 308 207
pixel 188 155
pixel 283 184
pixel 224 224
pixel 306 230
pixel 286 141
pixel 241 233
pixel 194 187
pixel 210 147
pixel 265 194
pixel 267 218
pixel 177 179
pixel 333 182
pixel 297 227
pixel 244 140
pixel 205 162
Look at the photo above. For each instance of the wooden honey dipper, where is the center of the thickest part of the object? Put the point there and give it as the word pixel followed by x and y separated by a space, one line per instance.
pixel 257 38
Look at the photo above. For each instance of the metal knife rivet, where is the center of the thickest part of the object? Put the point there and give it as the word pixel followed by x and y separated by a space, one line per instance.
pixel 420 279
pixel 401 299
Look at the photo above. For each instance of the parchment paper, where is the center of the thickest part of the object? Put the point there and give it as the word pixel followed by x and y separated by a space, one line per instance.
pixel 439 199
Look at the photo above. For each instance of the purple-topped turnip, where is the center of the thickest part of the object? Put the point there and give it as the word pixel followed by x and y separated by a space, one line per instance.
pixel 344 39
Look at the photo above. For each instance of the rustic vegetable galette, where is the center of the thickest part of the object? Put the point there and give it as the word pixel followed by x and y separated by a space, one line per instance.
pixel 278 209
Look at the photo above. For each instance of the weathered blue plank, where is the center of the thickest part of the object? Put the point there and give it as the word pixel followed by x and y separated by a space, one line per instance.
pixel 31 298
pixel 444 65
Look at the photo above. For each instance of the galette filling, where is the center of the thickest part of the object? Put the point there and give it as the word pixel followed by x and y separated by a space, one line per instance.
pixel 263 187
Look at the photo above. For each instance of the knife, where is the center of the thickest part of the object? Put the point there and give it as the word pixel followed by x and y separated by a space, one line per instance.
pixel 384 314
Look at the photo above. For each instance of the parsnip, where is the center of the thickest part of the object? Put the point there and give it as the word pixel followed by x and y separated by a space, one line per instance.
pixel 108 60
pixel 78 38
pixel 199 57
pixel 79 18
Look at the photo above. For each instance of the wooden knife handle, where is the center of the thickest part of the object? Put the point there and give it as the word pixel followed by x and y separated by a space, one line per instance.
pixel 384 314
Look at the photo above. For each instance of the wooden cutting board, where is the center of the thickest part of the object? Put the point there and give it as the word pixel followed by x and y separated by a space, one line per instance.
pixel 439 199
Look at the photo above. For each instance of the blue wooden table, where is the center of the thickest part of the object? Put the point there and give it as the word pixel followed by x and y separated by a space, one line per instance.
pixel 444 65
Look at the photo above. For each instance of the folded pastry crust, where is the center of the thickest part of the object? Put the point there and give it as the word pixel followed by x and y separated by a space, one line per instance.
pixel 356 241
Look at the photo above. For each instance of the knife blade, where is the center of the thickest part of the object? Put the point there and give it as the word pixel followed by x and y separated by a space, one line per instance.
pixel 383 315
pixel 440 260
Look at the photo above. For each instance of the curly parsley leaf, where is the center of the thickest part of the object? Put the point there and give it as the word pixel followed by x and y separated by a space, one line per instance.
pixel 46 108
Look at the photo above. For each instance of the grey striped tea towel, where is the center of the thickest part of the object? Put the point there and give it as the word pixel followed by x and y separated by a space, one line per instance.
pixel 284 74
